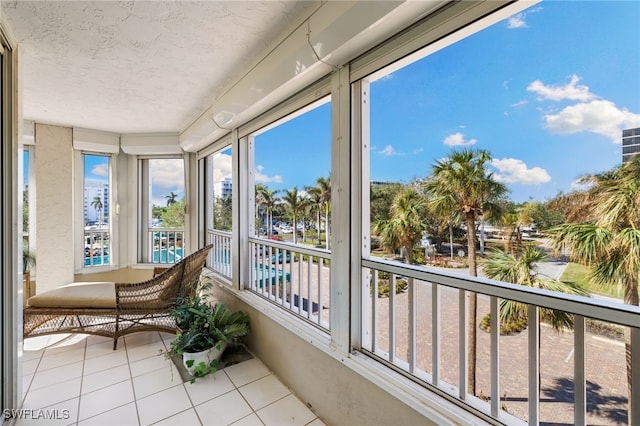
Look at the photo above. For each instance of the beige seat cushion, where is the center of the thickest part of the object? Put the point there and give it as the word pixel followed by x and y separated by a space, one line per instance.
pixel 88 295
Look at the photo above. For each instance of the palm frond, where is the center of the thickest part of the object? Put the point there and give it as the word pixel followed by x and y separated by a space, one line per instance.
pixel 521 270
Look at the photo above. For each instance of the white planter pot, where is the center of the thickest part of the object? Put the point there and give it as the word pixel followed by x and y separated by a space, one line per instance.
pixel 205 356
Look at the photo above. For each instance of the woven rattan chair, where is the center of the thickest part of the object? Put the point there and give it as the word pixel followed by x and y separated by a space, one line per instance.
pixel 115 309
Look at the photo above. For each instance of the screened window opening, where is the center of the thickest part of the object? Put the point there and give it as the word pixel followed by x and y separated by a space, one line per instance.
pixel 162 210
pixel 219 210
pixel 292 213
pixel 97 210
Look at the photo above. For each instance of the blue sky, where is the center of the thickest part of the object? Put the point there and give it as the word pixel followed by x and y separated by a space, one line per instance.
pixel 547 92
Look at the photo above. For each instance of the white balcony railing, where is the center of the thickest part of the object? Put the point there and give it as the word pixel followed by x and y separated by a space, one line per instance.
pixel 97 247
pixel 165 245
pixel 220 256
pixel 295 278
pixel 422 333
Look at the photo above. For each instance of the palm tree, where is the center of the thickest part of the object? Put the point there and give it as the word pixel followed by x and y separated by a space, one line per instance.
pixel 171 198
pixel 404 228
pixel 521 216
pixel 521 269
pixel 294 205
pixel 267 197
pixel 606 236
pixel 462 180
pixel 444 217
pixel 315 206
pixel 324 192
pixel 97 204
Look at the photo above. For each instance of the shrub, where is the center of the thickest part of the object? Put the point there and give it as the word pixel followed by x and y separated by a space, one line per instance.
pixel 505 328
pixel 383 287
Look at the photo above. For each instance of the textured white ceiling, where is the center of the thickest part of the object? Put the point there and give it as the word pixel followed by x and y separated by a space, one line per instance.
pixel 139 66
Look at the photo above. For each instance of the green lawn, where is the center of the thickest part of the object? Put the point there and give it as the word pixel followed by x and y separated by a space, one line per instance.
pixel 578 274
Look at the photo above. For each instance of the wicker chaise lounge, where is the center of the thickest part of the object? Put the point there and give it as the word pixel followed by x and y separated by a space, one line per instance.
pixel 114 309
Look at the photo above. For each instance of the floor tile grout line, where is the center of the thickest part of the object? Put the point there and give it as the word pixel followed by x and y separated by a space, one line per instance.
pixel 193 407
pixel 81 383
pixel 104 412
pixel 248 403
pixel 57 402
pixel 151 372
pixel 223 394
pixel 253 412
pixel 104 387
pixel 134 401
pixel 280 399
pixel 57 366
pixel 176 414
pixel 133 388
pixel 32 389
pixel 252 381
pixel 33 376
pixel 209 400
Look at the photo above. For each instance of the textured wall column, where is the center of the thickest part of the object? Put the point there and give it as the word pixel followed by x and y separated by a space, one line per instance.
pixel 54 206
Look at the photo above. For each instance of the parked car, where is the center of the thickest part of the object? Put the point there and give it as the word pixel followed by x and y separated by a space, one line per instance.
pixel 427 241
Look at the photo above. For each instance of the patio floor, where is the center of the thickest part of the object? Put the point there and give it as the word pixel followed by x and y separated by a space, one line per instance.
pixel 80 380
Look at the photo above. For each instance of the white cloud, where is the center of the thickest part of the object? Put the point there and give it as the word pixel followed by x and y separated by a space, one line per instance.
pixel 599 116
pixel 571 91
pixel 221 166
pixel 516 105
pixel 263 178
pixel 167 173
pixel 518 20
pixel 458 139
pixel 101 170
pixel 511 170
pixel 388 151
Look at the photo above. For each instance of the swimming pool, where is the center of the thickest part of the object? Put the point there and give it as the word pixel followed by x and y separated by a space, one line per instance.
pixel 159 256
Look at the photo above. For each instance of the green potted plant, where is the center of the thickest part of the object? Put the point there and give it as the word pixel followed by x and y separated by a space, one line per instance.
pixel 205 331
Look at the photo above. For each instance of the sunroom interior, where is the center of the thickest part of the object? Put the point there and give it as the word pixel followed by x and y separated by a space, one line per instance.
pixel 193 94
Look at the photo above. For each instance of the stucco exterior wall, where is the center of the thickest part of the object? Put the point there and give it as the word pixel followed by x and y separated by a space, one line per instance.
pixel 54 206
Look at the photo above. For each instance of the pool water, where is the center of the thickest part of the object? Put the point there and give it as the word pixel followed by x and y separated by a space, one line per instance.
pixel 159 256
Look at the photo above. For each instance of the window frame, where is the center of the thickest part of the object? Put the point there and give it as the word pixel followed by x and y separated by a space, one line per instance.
pixel 79 221
pixel 142 202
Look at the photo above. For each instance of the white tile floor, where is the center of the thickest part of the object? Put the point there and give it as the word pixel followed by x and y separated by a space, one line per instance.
pixel 82 381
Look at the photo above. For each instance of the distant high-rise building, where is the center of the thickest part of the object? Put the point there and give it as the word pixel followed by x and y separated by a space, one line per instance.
pixel 630 143
pixel 94 189
pixel 223 188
